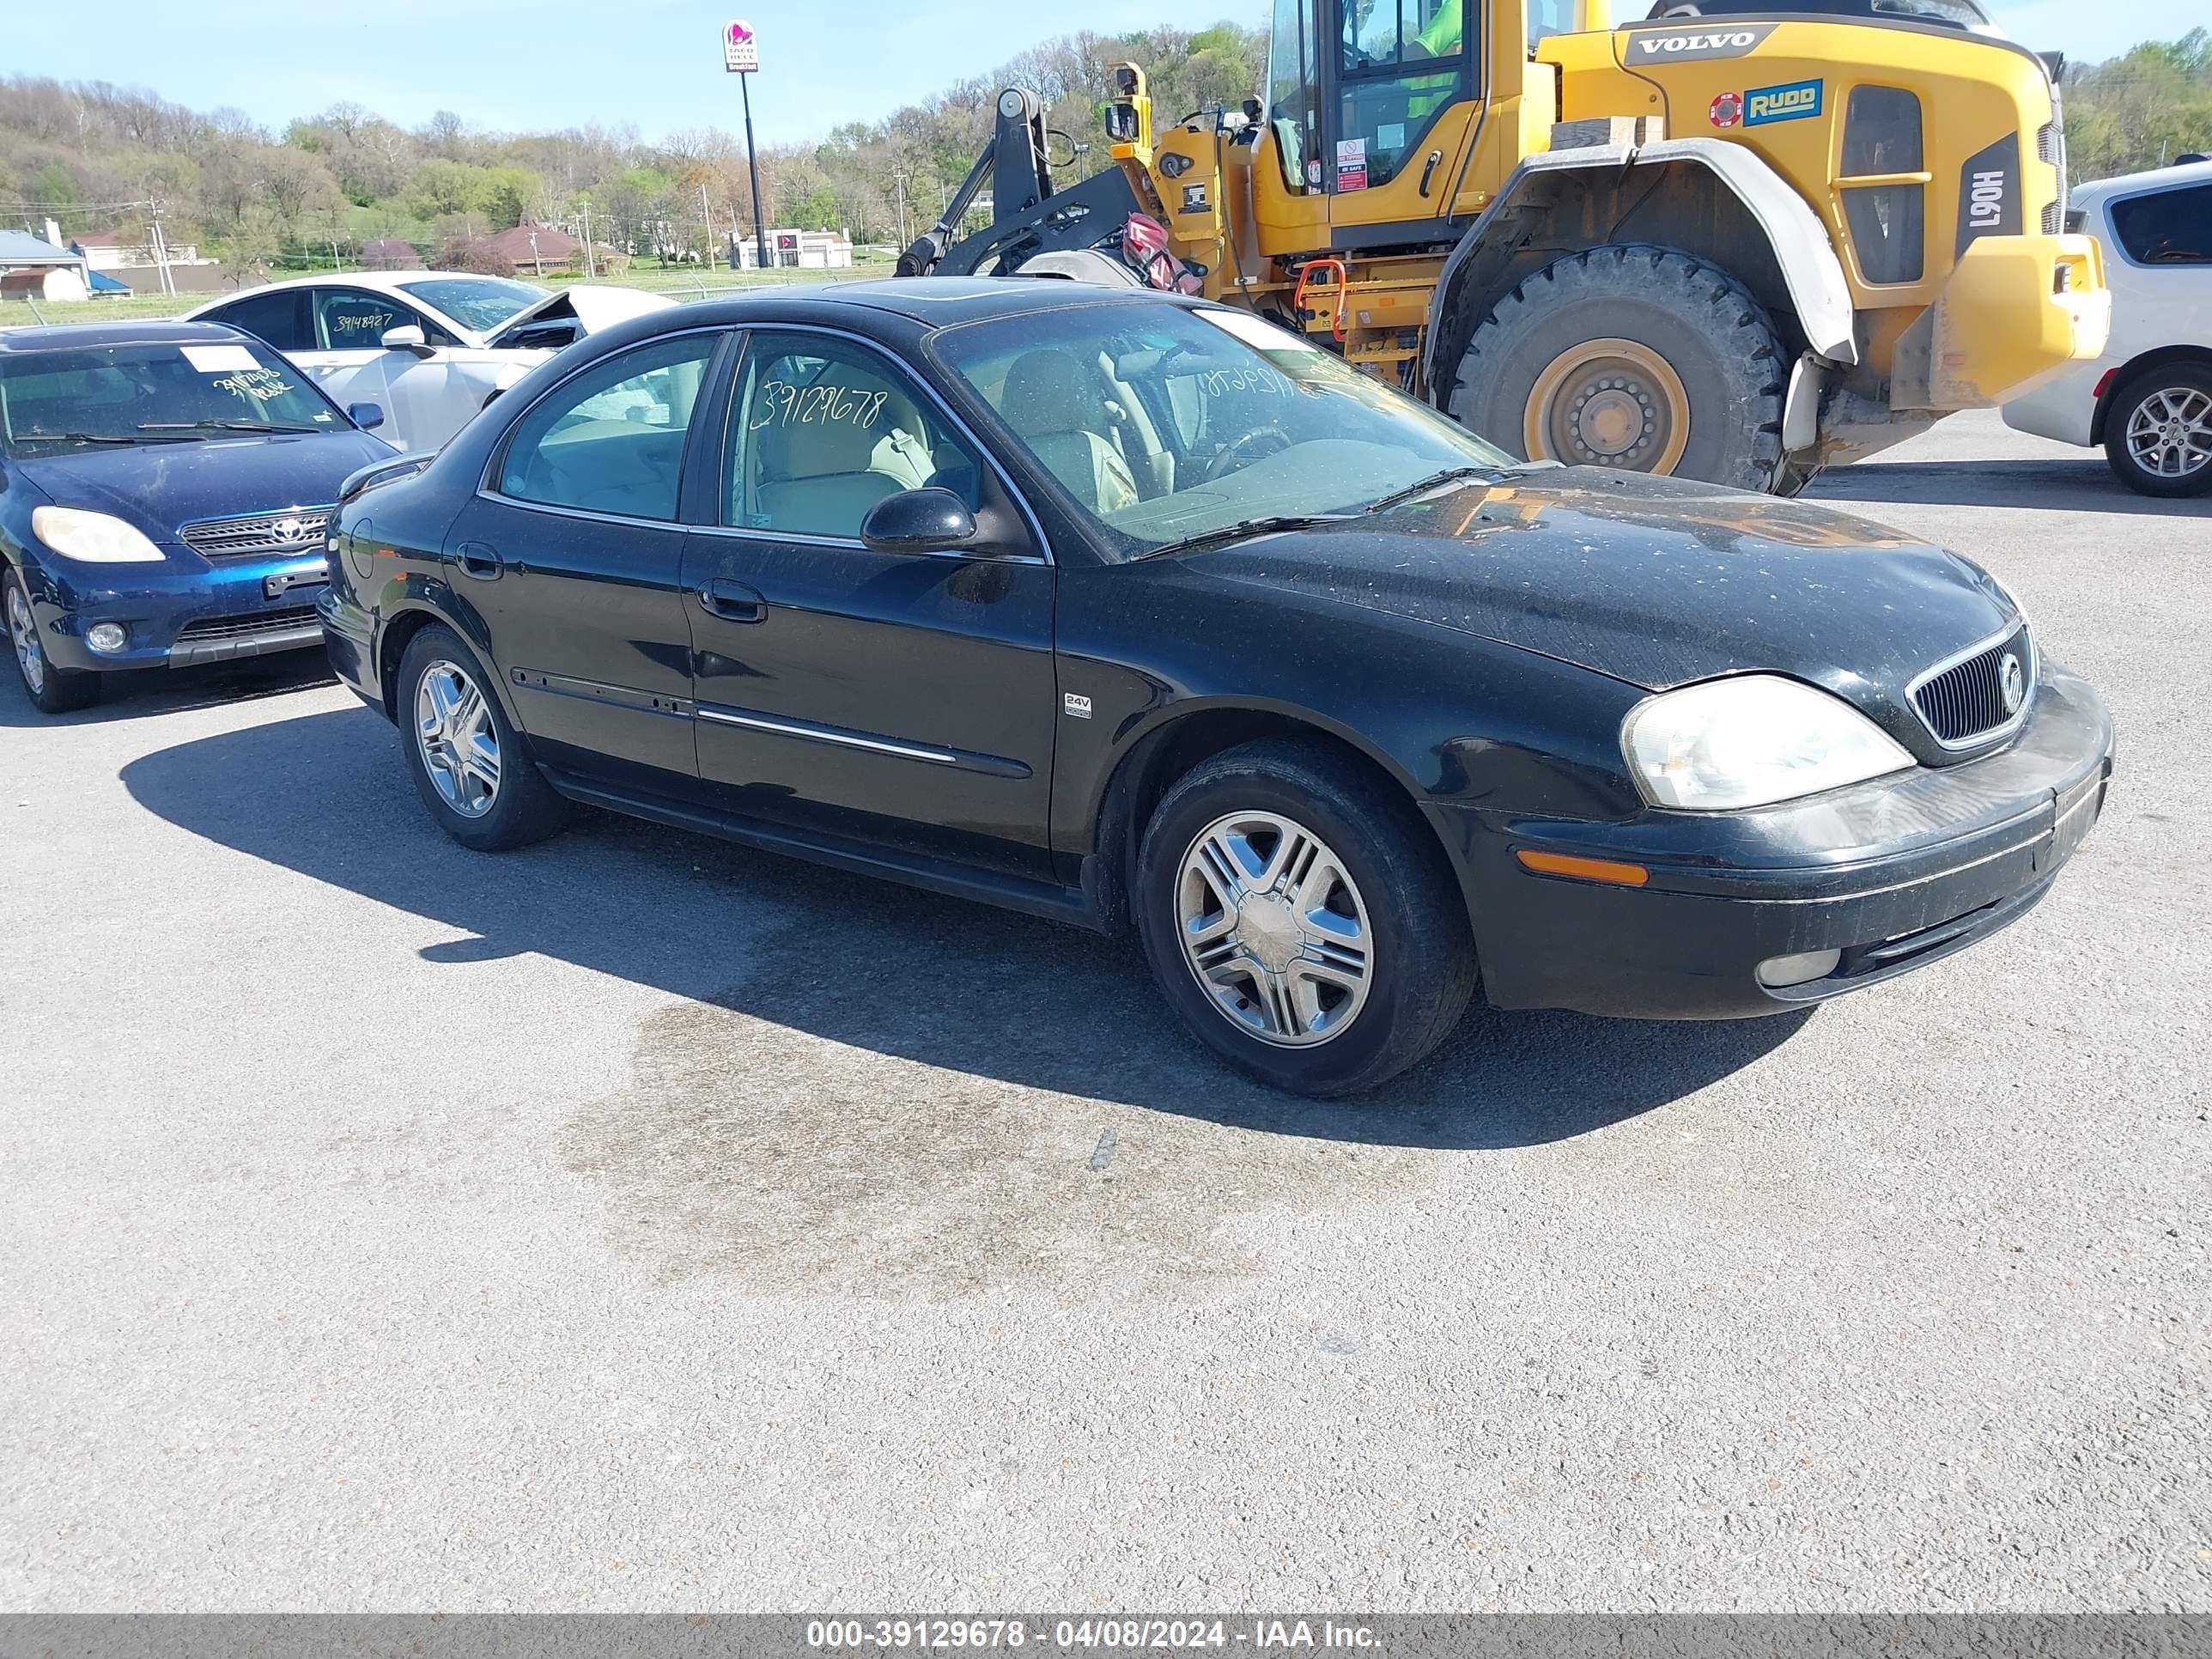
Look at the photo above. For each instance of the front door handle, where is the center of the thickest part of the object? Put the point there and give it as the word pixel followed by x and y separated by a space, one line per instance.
pixel 1435 156
pixel 732 601
pixel 479 561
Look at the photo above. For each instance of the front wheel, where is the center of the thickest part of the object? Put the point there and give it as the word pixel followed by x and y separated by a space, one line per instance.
pixel 2158 436
pixel 1634 358
pixel 1300 921
pixel 466 758
pixel 53 689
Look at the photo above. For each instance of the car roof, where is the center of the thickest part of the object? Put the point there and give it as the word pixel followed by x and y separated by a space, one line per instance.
pixel 2190 173
pixel 933 301
pixel 377 281
pixel 58 336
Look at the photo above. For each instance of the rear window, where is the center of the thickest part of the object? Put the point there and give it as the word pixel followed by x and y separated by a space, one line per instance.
pixel 2166 228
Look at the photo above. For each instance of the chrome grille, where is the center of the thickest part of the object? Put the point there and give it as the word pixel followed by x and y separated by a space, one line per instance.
pixel 251 625
pixel 1963 703
pixel 291 530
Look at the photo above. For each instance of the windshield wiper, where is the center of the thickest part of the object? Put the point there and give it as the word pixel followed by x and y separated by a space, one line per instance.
pixel 72 438
pixel 1244 529
pixel 226 426
pixel 1435 481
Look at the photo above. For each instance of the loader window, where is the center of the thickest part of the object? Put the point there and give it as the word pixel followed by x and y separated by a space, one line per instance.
pixel 1294 95
pixel 1888 211
pixel 1403 63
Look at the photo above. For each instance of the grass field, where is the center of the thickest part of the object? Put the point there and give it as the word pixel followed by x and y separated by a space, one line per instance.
pixel 689 282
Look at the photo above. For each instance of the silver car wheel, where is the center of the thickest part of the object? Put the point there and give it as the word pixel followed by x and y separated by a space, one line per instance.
pixel 1274 929
pixel 24 632
pixel 459 743
pixel 2170 434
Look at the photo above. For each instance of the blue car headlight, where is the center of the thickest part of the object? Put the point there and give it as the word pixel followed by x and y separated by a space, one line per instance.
pixel 92 537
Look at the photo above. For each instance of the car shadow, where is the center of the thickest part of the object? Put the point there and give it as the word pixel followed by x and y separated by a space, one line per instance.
pixel 876 966
pixel 152 691
pixel 2068 486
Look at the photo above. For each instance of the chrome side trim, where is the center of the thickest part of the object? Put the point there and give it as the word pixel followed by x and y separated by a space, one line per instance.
pixel 1996 733
pixel 599 691
pixel 993 765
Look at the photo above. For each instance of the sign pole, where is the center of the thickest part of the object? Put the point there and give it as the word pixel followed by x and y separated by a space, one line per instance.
pixel 752 162
pixel 741 58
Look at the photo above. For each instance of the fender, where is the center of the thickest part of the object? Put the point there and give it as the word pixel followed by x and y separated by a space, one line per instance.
pixel 1800 242
pixel 426 600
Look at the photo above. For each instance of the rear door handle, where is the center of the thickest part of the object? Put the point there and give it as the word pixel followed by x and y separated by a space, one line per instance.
pixel 732 601
pixel 480 562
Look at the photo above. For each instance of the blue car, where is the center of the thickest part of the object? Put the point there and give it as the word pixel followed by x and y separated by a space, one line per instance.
pixel 165 489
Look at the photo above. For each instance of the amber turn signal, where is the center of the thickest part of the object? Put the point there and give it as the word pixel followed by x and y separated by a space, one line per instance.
pixel 1558 864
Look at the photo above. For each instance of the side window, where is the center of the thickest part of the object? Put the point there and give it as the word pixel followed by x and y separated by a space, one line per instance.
pixel 1888 211
pixel 1404 63
pixel 2169 228
pixel 821 429
pixel 354 319
pixel 612 440
pixel 271 318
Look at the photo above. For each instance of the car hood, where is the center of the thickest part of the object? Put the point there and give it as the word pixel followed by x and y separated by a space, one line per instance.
pixel 158 487
pixel 1652 580
pixel 594 307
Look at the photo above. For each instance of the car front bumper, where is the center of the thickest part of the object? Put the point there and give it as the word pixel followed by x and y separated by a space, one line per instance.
pixel 176 617
pixel 1895 874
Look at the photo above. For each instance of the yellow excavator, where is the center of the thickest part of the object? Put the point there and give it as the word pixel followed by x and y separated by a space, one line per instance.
pixel 1726 244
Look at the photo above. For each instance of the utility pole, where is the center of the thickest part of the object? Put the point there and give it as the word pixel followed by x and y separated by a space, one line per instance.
pixel 161 251
pixel 708 218
pixel 898 178
pixel 587 202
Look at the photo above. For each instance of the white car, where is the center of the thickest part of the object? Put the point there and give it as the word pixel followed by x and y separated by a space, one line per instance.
pixel 2148 399
pixel 429 347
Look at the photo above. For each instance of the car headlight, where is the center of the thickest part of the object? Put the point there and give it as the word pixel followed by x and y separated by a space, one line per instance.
pixel 92 537
pixel 1751 741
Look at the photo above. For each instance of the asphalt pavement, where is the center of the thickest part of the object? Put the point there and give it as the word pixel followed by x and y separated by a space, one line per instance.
pixel 641 1223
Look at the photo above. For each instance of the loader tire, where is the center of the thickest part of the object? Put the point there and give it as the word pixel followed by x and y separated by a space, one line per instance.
pixel 1630 357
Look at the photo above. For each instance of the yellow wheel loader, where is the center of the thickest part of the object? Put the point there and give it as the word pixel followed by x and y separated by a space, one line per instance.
pixel 1729 245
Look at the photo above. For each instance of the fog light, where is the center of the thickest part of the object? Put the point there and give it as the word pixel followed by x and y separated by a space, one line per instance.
pixel 1777 972
pixel 106 636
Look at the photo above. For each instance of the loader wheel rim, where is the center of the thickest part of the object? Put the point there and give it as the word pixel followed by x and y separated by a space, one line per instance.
pixel 1608 402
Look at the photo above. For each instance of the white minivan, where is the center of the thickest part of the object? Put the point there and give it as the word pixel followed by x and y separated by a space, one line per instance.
pixel 2148 399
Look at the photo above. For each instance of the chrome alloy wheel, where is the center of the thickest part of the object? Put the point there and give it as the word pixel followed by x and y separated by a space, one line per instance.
pixel 459 743
pixel 1274 928
pixel 24 632
pixel 2170 434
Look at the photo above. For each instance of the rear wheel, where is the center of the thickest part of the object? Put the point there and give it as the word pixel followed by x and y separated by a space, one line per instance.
pixel 2158 434
pixel 53 689
pixel 1300 921
pixel 1634 358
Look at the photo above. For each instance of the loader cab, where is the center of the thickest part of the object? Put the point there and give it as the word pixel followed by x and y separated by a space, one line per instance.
pixel 1372 104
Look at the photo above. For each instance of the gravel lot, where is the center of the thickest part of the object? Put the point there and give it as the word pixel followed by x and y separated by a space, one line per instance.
pixel 641 1223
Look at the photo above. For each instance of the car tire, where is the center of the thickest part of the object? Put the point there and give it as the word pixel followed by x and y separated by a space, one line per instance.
pixel 1680 370
pixel 450 724
pixel 1376 866
pixel 2163 412
pixel 52 689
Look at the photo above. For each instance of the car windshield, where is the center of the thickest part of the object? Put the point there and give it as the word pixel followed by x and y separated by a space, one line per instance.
pixel 1163 423
pixel 479 304
pixel 148 392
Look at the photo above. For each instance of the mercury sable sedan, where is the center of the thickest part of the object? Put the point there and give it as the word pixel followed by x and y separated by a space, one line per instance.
pixel 1127 609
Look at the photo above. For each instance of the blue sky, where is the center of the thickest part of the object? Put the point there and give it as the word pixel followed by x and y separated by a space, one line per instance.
pixel 511 64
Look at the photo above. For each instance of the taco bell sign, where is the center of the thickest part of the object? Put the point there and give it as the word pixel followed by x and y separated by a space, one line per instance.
pixel 740 48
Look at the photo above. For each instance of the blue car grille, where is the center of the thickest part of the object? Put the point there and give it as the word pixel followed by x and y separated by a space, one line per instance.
pixel 299 529
pixel 1966 703
pixel 251 625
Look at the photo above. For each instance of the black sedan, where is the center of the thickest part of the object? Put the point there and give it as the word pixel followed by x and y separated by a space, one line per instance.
pixel 1131 611
pixel 165 489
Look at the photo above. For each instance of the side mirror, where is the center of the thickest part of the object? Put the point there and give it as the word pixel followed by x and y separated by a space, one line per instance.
pixel 366 416
pixel 406 338
pixel 919 521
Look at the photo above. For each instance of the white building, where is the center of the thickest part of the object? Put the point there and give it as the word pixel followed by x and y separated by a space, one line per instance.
pixel 31 268
pixel 800 250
